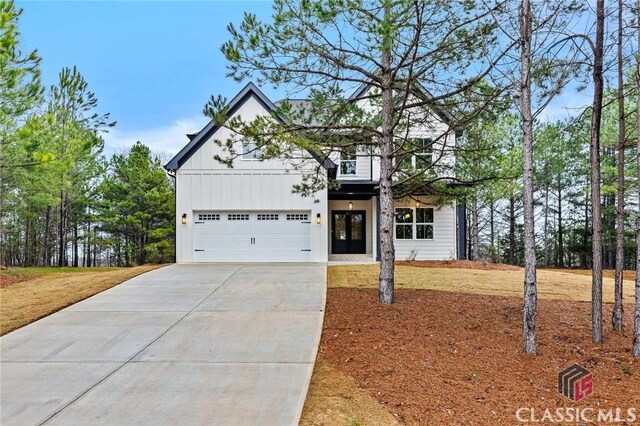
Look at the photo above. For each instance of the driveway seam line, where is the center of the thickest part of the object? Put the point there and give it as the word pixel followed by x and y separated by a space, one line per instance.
pixel 86 391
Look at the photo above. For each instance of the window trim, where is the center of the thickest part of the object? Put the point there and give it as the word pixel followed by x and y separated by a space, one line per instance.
pixel 403 224
pixel 424 152
pixel 432 223
pixel 414 224
pixel 348 157
pixel 416 153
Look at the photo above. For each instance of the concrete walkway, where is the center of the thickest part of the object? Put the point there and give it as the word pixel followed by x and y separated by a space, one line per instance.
pixel 225 344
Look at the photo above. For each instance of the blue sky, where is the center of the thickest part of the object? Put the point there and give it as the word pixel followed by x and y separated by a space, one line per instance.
pixel 152 65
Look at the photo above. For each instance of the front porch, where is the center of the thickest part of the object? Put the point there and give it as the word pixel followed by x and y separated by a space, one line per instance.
pixel 427 229
pixel 353 221
pixel 352 229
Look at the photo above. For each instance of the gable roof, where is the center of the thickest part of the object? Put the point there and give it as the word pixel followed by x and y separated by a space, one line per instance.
pixel 198 139
pixel 445 116
pixel 195 142
pixel 362 88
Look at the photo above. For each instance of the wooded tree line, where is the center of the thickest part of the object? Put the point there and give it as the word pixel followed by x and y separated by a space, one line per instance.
pixel 562 191
pixel 62 202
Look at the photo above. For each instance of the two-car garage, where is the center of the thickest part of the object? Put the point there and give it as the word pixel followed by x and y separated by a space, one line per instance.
pixel 250 236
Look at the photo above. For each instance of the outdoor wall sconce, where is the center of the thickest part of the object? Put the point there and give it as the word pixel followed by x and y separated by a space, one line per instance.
pixel 318 219
pixel 184 218
pixel 417 204
pixel 350 206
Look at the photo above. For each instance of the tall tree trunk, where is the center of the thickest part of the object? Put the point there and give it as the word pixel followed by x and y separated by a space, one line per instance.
pixel 475 231
pixel 492 230
pixel 95 256
pixel 89 241
pixel 596 220
pixel 585 234
pixel 387 259
pixel 636 314
pixel 47 223
pixel 61 233
pixel 546 226
pixel 560 232
pixel 467 218
pixel 512 230
pixel 85 243
pixel 75 245
pixel 618 310
pixel 530 289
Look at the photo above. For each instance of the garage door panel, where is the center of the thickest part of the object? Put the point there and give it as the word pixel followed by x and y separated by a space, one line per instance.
pixel 252 236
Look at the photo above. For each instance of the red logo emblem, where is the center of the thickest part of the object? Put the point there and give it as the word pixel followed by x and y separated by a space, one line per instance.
pixel 575 382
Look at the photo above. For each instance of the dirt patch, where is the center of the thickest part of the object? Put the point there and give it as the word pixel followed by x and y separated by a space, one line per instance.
pixel 452 358
pixel 335 399
pixel 27 301
pixel 459 264
pixel 7 280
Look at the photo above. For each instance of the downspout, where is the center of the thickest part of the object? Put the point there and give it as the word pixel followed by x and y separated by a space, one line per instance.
pixel 462 231
pixel 378 229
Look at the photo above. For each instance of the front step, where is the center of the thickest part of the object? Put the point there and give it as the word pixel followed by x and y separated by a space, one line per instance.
pixel 363 258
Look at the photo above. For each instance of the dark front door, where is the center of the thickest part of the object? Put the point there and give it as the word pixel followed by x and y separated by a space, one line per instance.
pixel 348 232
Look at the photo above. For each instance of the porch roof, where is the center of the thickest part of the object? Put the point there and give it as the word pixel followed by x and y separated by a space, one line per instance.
pixel 354 190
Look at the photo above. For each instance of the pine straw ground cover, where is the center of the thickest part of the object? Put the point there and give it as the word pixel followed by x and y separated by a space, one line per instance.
pixel 28 294
pixel 454 357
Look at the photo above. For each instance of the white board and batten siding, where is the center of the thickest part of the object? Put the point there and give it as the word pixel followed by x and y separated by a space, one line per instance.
pixel 444 243
pixel 252 187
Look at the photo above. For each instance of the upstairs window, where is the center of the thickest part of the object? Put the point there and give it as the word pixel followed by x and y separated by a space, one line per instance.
pixel 423 152
pixel 250 150
pixel 418 154
pixel 348 161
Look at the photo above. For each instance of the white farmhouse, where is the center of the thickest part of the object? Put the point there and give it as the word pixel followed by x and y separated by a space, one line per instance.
pixel 249 213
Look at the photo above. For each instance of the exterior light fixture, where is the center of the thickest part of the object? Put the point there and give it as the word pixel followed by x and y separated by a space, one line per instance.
pixel 417 204
pixel 184 218
pixel 318 219
pixel 350 206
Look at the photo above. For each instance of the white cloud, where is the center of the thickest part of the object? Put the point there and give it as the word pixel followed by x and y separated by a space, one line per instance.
pixel 166 140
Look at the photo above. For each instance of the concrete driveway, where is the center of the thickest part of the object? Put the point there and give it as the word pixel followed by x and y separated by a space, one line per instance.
pixel 227 344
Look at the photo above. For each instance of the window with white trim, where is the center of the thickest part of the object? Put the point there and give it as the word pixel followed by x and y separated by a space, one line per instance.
pixel 414 224
pixel 424 223
pixel 297 216
pixel 404 223
pixel 250 150
pixel 416 155
pixel 238 216
pixel 348 161
pixel 424 152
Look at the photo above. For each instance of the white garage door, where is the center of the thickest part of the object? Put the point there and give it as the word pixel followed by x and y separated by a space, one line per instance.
pixel 241 236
